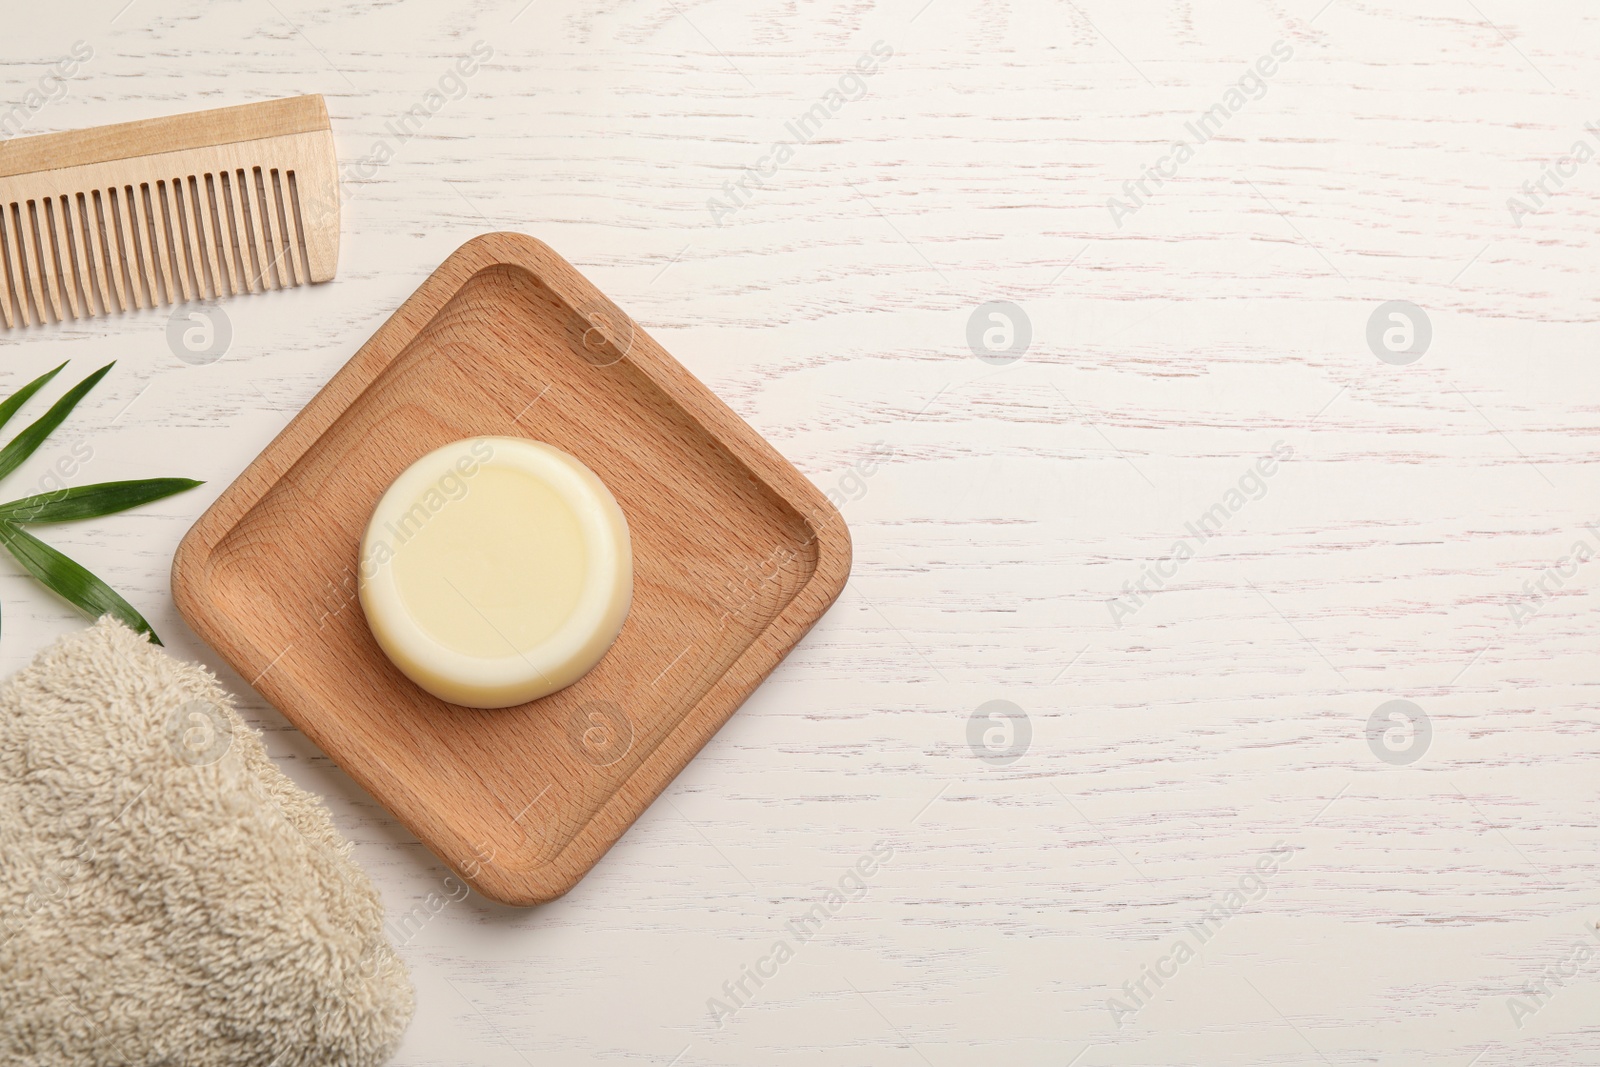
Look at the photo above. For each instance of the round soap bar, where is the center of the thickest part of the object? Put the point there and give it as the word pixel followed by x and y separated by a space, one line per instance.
pixel 495 571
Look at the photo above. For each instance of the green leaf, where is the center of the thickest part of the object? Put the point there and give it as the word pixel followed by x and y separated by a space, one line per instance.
pixel 14 402
pixel 91 501
pixel 22 446
pixel 70 580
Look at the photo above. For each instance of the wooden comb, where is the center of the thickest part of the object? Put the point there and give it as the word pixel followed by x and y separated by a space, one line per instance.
pixel 192 207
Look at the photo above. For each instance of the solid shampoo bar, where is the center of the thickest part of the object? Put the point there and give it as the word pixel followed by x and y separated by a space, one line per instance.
pixel 495 571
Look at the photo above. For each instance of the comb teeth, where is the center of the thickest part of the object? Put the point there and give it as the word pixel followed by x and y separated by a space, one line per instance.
pixel 197 237
pixel 215 210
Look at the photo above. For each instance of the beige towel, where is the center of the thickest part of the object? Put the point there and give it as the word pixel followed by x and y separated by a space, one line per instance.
pixel 167 896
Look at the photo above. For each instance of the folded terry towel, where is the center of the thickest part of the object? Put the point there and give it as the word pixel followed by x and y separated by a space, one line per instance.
pixel 167 896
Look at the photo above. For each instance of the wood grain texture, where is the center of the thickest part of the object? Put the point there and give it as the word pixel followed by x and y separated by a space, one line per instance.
pixel 171 133
pixel 1168 755
pixel 165 211
pixel 735 554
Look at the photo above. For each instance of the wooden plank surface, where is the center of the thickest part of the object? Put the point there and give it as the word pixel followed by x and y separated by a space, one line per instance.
pixel 996 508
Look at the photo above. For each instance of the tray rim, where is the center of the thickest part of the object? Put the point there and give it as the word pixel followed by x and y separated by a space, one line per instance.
pixel 191 577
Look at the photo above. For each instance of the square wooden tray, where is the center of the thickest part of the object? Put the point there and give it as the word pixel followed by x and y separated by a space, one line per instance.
pixel 736 556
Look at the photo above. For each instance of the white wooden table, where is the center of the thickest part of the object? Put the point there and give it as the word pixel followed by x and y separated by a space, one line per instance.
pixel 1177 740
